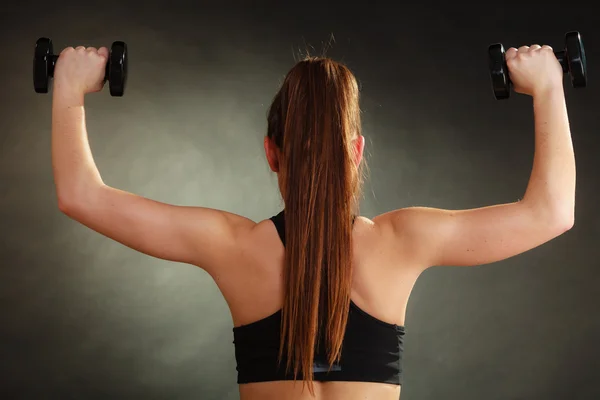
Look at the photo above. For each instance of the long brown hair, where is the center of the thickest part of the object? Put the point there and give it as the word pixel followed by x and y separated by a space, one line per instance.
pixel 313 120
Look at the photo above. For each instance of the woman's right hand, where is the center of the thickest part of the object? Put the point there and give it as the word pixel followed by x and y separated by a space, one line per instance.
pixel 81 70
pixel 534 69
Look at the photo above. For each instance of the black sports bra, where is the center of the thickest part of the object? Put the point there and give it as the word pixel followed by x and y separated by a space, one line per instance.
pixel 372 349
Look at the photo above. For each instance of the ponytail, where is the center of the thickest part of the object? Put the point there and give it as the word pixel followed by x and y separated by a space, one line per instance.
pixel 313 120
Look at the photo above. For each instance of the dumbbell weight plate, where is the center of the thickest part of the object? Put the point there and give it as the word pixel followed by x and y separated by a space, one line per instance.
pixel 116 68
pixel 41 63
pixel 576 59
pixel 499 71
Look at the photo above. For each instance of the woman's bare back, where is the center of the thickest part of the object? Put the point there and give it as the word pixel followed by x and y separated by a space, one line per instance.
pixel 383 279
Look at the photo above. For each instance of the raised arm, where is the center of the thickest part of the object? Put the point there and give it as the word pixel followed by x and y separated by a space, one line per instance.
pixel 489 234
pixel 194 235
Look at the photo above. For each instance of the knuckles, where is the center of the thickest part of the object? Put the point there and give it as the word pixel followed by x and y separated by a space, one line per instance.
pixel 535 50
pixel 91 52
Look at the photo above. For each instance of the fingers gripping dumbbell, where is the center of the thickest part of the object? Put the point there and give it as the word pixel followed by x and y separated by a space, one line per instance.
pixel 572 59
pixel 44 62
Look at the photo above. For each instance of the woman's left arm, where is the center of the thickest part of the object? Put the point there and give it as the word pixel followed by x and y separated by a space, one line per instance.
pixel 194 235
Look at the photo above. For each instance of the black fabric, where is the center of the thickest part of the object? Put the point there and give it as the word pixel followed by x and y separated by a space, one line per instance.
pixel 372 349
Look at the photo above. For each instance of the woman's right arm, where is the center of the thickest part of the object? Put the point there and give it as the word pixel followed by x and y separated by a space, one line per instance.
pixel 490 234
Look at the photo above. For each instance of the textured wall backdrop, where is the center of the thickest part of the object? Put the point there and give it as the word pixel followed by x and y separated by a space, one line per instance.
pixel 82 317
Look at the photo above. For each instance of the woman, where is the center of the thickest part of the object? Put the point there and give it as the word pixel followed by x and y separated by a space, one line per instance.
pixel 318 294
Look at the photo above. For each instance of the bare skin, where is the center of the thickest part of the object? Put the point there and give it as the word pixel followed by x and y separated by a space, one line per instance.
pixel 390 252
pixel 259 283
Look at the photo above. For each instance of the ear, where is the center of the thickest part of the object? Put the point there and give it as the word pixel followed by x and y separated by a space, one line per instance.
pixel 359 148
pixel 272 153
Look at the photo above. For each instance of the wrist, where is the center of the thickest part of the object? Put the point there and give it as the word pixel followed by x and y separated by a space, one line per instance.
pixel 66 94
pixel 548 90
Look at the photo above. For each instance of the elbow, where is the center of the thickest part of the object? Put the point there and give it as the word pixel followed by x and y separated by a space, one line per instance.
pixel 556 219
pixel 68 204
pixel 568 224
pixel 77 203
pixel 551 221
pixel 562 221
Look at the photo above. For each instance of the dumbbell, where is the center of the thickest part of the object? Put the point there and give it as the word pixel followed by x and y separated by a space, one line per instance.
pixel 572 59
pixel 44 62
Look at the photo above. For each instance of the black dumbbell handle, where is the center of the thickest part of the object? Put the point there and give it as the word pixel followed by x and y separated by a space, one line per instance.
pixel 562 59
pixel 52 63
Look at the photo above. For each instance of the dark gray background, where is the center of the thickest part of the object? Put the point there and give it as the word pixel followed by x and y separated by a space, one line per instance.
pixel 83 317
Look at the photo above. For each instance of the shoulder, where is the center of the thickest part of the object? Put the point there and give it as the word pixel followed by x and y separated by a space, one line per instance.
pixel 407 231
pixel 412 222
pixel 253 236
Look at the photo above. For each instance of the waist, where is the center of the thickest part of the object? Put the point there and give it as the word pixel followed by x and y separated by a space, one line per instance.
pixel 282 390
